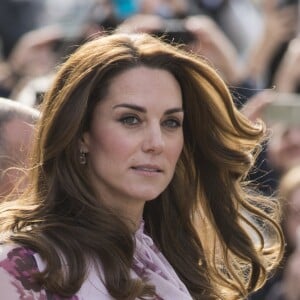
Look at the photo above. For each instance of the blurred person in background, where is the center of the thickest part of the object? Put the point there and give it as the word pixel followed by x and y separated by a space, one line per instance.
pixel 287 76
pixel 286 282
pixel 16 136
pixel 240 20
pixel 77 17
pixel 282 150
pixel 62 27
pixel 17 17
pixel 258 29
pixel 279 26
pixel 34 55
pixel 281 153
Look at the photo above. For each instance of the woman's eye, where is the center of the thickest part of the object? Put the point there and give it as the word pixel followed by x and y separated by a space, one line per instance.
pixel 129 120
pixel 172 123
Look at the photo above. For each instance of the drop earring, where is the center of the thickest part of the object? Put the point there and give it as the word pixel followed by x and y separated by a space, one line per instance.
pixel 82 158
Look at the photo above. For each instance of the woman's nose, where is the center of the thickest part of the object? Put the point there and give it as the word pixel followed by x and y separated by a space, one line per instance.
pixel 153 140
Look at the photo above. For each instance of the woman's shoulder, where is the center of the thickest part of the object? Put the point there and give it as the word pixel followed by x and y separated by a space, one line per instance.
pixel 19 263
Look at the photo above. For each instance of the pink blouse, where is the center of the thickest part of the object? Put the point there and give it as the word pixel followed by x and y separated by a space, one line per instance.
pixel 18 263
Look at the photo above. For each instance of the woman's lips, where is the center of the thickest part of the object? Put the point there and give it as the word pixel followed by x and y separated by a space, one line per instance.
pixel 147 169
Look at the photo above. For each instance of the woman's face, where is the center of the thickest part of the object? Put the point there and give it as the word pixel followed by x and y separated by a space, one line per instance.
pixel 135 138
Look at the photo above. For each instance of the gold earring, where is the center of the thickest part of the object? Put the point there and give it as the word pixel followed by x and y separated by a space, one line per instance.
pixel 82 158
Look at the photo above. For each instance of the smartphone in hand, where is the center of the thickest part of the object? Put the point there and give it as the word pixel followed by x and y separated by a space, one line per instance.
pixel 284 109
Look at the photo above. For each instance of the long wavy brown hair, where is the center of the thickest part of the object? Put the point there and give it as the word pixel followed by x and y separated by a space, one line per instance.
pixel 221 238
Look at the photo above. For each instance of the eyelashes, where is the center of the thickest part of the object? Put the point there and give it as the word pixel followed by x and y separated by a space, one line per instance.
pixel 172 123
pixel 134 121
pixel 130 120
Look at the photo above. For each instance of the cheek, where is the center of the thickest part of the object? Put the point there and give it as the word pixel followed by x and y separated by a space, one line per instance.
pixel 111 145
pixel 175 150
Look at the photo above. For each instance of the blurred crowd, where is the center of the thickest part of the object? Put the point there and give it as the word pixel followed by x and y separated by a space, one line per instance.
pixel 254 45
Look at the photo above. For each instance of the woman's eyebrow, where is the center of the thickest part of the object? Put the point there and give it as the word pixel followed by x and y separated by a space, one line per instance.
pixel 144 110
pixel 131 106
pixel 173 110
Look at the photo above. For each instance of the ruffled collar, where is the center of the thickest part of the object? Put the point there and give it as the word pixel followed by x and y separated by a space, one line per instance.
pixel 150 264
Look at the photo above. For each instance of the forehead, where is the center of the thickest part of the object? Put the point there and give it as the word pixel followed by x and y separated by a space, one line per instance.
pixel 142 83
